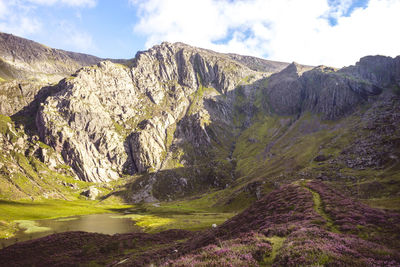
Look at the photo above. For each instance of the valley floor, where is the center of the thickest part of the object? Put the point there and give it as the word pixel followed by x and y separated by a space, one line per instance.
pixel 30 215
pixel 304 223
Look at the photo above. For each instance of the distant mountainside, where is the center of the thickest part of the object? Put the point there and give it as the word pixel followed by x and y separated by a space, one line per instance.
pixel 259 64
pixel 27 66
pixel 24 59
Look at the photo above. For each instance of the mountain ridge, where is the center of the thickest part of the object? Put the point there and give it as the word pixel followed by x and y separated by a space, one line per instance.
pixel 29 58
pixel 179 111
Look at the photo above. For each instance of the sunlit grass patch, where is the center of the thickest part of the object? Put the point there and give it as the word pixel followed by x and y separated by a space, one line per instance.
pixel 277 243
pixel 50 209
pixel 160 222
pixel 23 211
pixel 7 229
pixel 147 221
pixel 31 226
pixel 67 219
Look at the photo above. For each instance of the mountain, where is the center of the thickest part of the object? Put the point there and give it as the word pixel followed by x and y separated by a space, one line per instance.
pixel 184 120
pixel 27 66
pixel 299 152
pixel 25 59
pixel 179 120
pixel 28 73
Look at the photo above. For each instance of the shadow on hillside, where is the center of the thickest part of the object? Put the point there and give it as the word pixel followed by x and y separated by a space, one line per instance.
pixel 27 115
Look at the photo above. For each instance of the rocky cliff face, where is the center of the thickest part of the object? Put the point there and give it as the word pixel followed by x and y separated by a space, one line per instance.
pixel 17 94
pixel 320 90
pixel 178 111
pixel 31 169
pixel 110 119
pixel 379 70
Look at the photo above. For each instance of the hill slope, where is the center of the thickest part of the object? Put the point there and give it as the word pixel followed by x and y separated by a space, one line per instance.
pixel 24 59
pixel 29 168
pixel 27 66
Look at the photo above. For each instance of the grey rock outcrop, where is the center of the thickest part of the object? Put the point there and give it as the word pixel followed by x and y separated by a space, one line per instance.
pixel 148 145
pixel 109 118
pixel 259 64
pixel 92 193
pixel 319 90
pixel 16 94
pixel 379 70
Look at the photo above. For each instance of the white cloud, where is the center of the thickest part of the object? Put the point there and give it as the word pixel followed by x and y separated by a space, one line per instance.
pixel 74 38
pixel 3 9
pixel 19 17
pixel 14 18
pixel 21 26
pixel 285 30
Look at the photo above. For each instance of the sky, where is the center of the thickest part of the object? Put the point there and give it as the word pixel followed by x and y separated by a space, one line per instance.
pixel 314 32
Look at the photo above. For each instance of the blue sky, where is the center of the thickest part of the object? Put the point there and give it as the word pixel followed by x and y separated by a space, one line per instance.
pixel 329 32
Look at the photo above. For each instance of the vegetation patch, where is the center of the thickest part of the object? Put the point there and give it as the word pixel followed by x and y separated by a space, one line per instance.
pixel 31 226
pixel 319 208
pixel 67 219
pixel 147 221
pixel 175 216
pixel 26 212
pixel 277 243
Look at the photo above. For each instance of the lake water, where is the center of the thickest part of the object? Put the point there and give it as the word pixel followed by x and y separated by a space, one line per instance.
pixel 95 223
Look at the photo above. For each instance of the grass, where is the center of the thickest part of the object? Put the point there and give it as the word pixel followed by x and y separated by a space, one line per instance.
pixel 319 208
pixel 4 121
pixel 147 221
pixel 23 213
pixel 67 219
pixel 163 221
pixel 31 227
pixel 384 203
pixel 50 209
pixel 277 243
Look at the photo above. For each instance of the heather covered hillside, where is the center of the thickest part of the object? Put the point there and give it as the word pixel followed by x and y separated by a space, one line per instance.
pixel 305 223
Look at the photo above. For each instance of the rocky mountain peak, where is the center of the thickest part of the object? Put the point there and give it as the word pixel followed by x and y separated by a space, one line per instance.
pixel 295 69
pixel 94 121
pixel 169 110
